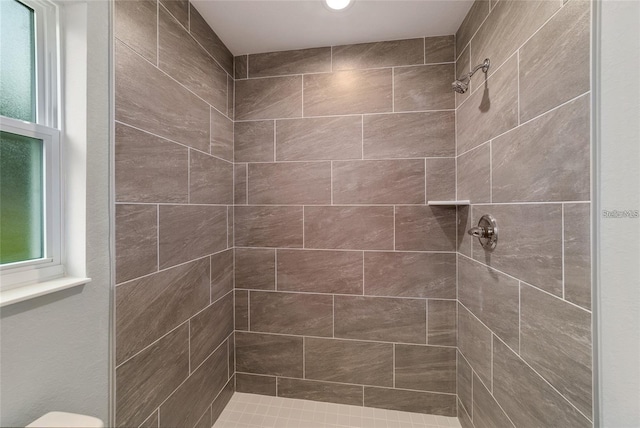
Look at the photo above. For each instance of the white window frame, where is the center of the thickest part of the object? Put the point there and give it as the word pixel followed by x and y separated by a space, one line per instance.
pixel 48 129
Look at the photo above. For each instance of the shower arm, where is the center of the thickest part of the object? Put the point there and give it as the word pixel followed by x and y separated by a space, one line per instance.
pixel 484 66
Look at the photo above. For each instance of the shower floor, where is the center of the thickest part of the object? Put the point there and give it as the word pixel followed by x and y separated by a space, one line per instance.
pixel 260 411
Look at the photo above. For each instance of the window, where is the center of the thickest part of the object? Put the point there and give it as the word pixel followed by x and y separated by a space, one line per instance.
pixel 31 246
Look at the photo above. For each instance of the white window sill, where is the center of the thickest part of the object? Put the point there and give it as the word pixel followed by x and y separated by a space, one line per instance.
pixel 30 291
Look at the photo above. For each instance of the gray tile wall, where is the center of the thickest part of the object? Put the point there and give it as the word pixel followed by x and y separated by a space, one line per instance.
pixel 345 280
pixel 174 194
pixel 523 155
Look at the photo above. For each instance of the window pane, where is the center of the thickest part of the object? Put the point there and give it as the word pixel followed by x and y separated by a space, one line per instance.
pixel 17 61
pixel 21 198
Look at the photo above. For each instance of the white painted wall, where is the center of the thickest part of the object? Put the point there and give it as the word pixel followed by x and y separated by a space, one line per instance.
pixel 54 350
pixel 618 187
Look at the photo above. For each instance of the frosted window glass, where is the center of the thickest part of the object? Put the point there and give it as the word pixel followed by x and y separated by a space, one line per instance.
pixel 21 198
pixel 17 61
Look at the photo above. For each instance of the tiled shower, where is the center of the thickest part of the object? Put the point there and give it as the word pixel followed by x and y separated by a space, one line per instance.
pixel 273 231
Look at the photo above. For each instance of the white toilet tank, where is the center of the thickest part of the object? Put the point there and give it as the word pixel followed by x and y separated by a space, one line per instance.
pixel 63 419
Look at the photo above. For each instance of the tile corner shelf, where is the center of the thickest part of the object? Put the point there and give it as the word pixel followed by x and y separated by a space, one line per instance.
pixel 453 203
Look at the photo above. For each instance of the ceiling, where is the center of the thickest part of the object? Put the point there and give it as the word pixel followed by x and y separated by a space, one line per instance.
pixel 256 26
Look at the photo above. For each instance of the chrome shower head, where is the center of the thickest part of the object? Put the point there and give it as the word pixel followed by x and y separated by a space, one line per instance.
pixel 462 84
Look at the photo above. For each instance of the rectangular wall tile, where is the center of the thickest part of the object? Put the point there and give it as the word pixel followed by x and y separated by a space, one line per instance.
pixel 408 135
pixel 291 313
pixel 555 168
pixel 222 137
pixel 180 56
pixel 474 175
pixel 222 400
pixel 150 307
pixel 348 92
pixel 144 382
pixel 315 60
pixel 491 111
pixel 241 309
pixel 492 297
pixel 474 342
pixel 189 232
pixel 148 168
pixel 556 342
pixel 533 255
pixel 378 182
pixel 210 179
pixel 210 328
pixel 240 183
pixel 577 254
pixel 439 49
pixel 463 417
pixel 441 179
pixel 322 138
pixel 179 9
pixel 290 183
pixel 424 87
pixel 562 43
pixel 377 318
pixel 255 269
pixel 379 54
pixel 349 361
pixel 139 103
pixel 476 15
pixel 240 70
pixel 254 141
pixel 187 404
pixel 410 274
pixel 136 241
pixel 221 274
pixel 425 368
pixel 410 401
pixel 202 32
pixel 442 323
pixel 320 391
pixel 369 228
pixel 264 226
pixel 255 384
pixel 136 24
pixel 508 26
pixel 337 272
pixel 486 411
pixel 205 420
pixel 425 228
pixel 525 397
pixel 269 354
pixel 269 98
pixel 464 379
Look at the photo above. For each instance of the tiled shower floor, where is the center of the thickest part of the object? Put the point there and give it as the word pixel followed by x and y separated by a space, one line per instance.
pixel 259 411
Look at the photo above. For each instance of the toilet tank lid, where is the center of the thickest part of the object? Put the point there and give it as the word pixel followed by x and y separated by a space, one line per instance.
pixel 63 419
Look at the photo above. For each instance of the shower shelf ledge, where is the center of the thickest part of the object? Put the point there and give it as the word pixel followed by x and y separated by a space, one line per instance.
pixel 454 203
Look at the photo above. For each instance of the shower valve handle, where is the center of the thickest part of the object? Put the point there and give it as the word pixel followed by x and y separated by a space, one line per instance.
pixel 481 232
pixel 486 232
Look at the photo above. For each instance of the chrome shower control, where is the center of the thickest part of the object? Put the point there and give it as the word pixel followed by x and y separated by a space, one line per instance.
pixel 486 232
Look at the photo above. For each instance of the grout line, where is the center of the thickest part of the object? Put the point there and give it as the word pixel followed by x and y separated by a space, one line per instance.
pixel 275 142
pixel 346 383
pixel 157 246
pixel 525 283
pixel 354 160
pixel 344 339
pixel 518 81
pixel 393 372
pixel 173 141
pixel 519 317
pixel 315 293
pixel 338 250
pixel 563 251
pixel 328 116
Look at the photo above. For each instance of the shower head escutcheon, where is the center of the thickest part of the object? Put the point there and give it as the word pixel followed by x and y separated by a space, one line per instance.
pixel 462 84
